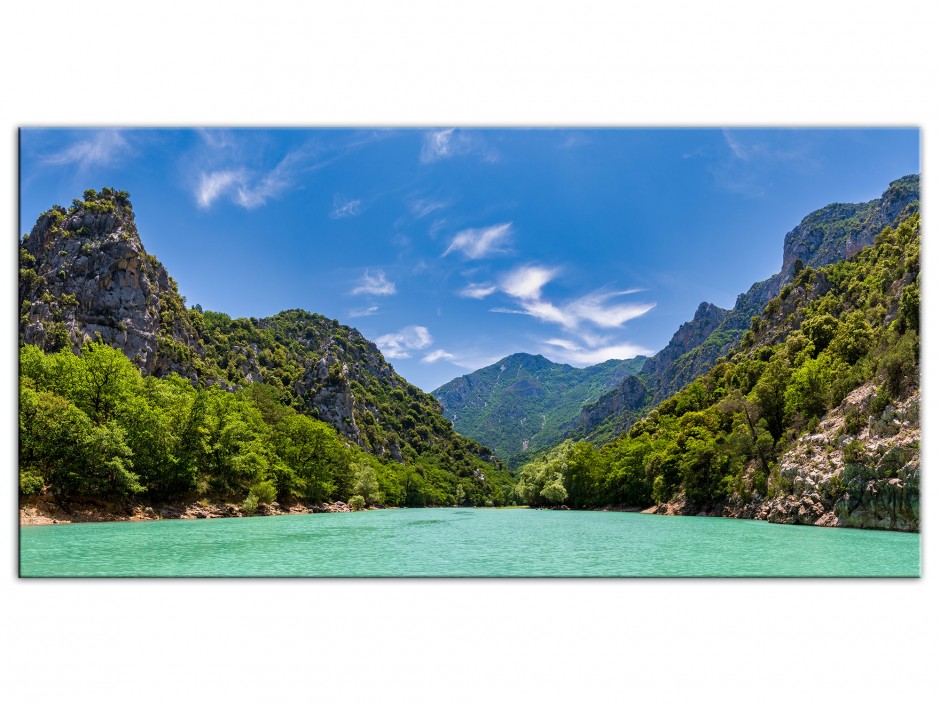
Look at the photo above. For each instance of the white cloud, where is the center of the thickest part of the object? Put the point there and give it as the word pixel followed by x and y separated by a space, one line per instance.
pixel 443 144
pixel 423 207
pixel 580 317
pixel 242 186
pixel 214 184
pixel 400 345
pixel 375 284
pixel 478 291
pixel 236 165
pixel 593 308
pixel 438 145
pixel 570 352
pixel 476 243
pixel 363 312
pixel 255 192
pixel 549 313
pixel 104 147
pixel 753 160
pixel 527 282
pixel 736 147
pixel 345 207
pixel 437 355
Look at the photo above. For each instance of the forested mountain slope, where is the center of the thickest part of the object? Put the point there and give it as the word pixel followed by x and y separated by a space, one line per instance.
pixel 813 418
pixel 85 277
pixel 828 235
pixel 525 403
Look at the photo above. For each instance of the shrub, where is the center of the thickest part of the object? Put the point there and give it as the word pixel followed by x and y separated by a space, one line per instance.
pixel 357 502
pixel 30 482
pixel 250 505
pixel 264 492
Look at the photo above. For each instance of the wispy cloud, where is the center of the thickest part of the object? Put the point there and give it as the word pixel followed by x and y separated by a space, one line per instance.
pixel 100 148
pixel 478 291
pixel 437 355
pixel 583 317
pixel 345 207
pixel 736 147
pixel 595 308
pixel 444 144
pixel 241 166
pixel 401 344
pixel 363 312
pixel 246 187
pixel 749 160
pixel 527 282
pixel 375 284
pixel 477 243
pixel 572 353
pixel 214 183
pixel 425 206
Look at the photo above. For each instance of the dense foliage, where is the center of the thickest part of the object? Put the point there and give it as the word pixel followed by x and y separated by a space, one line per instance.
pixel 829 331
pixel 823 237
pixel 524 403
pixel 84 274
pixel 92 426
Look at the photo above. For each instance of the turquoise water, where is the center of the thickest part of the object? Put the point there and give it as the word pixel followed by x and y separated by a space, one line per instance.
pixel 463 542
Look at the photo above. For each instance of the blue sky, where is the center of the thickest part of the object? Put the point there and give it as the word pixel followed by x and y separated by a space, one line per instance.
pixel 451 248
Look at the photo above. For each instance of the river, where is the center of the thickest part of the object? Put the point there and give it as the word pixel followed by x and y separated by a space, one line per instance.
pixel 463 542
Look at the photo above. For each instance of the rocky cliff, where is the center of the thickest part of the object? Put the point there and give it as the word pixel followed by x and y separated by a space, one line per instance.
pixel 830 234
pixel 858 469
pixel 84 274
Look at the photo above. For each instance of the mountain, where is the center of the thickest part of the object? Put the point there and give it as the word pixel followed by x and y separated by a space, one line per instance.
pixel 85 276
pixel 526 403
pixel 812 418
pixel 828 235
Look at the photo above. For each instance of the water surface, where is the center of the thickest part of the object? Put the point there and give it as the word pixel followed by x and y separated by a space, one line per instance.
pixel 463 542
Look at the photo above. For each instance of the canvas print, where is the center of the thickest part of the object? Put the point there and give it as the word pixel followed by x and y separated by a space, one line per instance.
pixel 449 351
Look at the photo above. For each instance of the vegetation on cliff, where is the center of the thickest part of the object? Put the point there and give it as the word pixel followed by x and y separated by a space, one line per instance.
pixel 722 439
pixel 825 236
pixel 195 403
pixel 524 403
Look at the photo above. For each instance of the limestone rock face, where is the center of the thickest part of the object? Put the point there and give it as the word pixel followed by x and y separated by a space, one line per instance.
pixel 85 274
pixel 826 236
pixel 839 230
pixel 632 393
pixel 866 480
pixel 325 387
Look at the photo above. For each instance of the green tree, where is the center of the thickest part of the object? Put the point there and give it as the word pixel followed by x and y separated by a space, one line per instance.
pixel 365 484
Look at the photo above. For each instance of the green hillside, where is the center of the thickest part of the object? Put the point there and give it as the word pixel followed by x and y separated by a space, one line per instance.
pixel 170 401
pixel 813 418
pixel 526 403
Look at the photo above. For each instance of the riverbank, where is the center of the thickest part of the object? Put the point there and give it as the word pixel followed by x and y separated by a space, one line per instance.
pixel 45 510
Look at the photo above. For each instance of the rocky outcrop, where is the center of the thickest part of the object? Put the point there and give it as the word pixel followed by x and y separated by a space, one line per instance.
pixel 632 393
pixel 823 237
pixel 85 276
pixel 864 478
pixel 690 335
pixel 325 387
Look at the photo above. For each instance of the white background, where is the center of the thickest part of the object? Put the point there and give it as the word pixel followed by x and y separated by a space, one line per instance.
pixel 480 63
